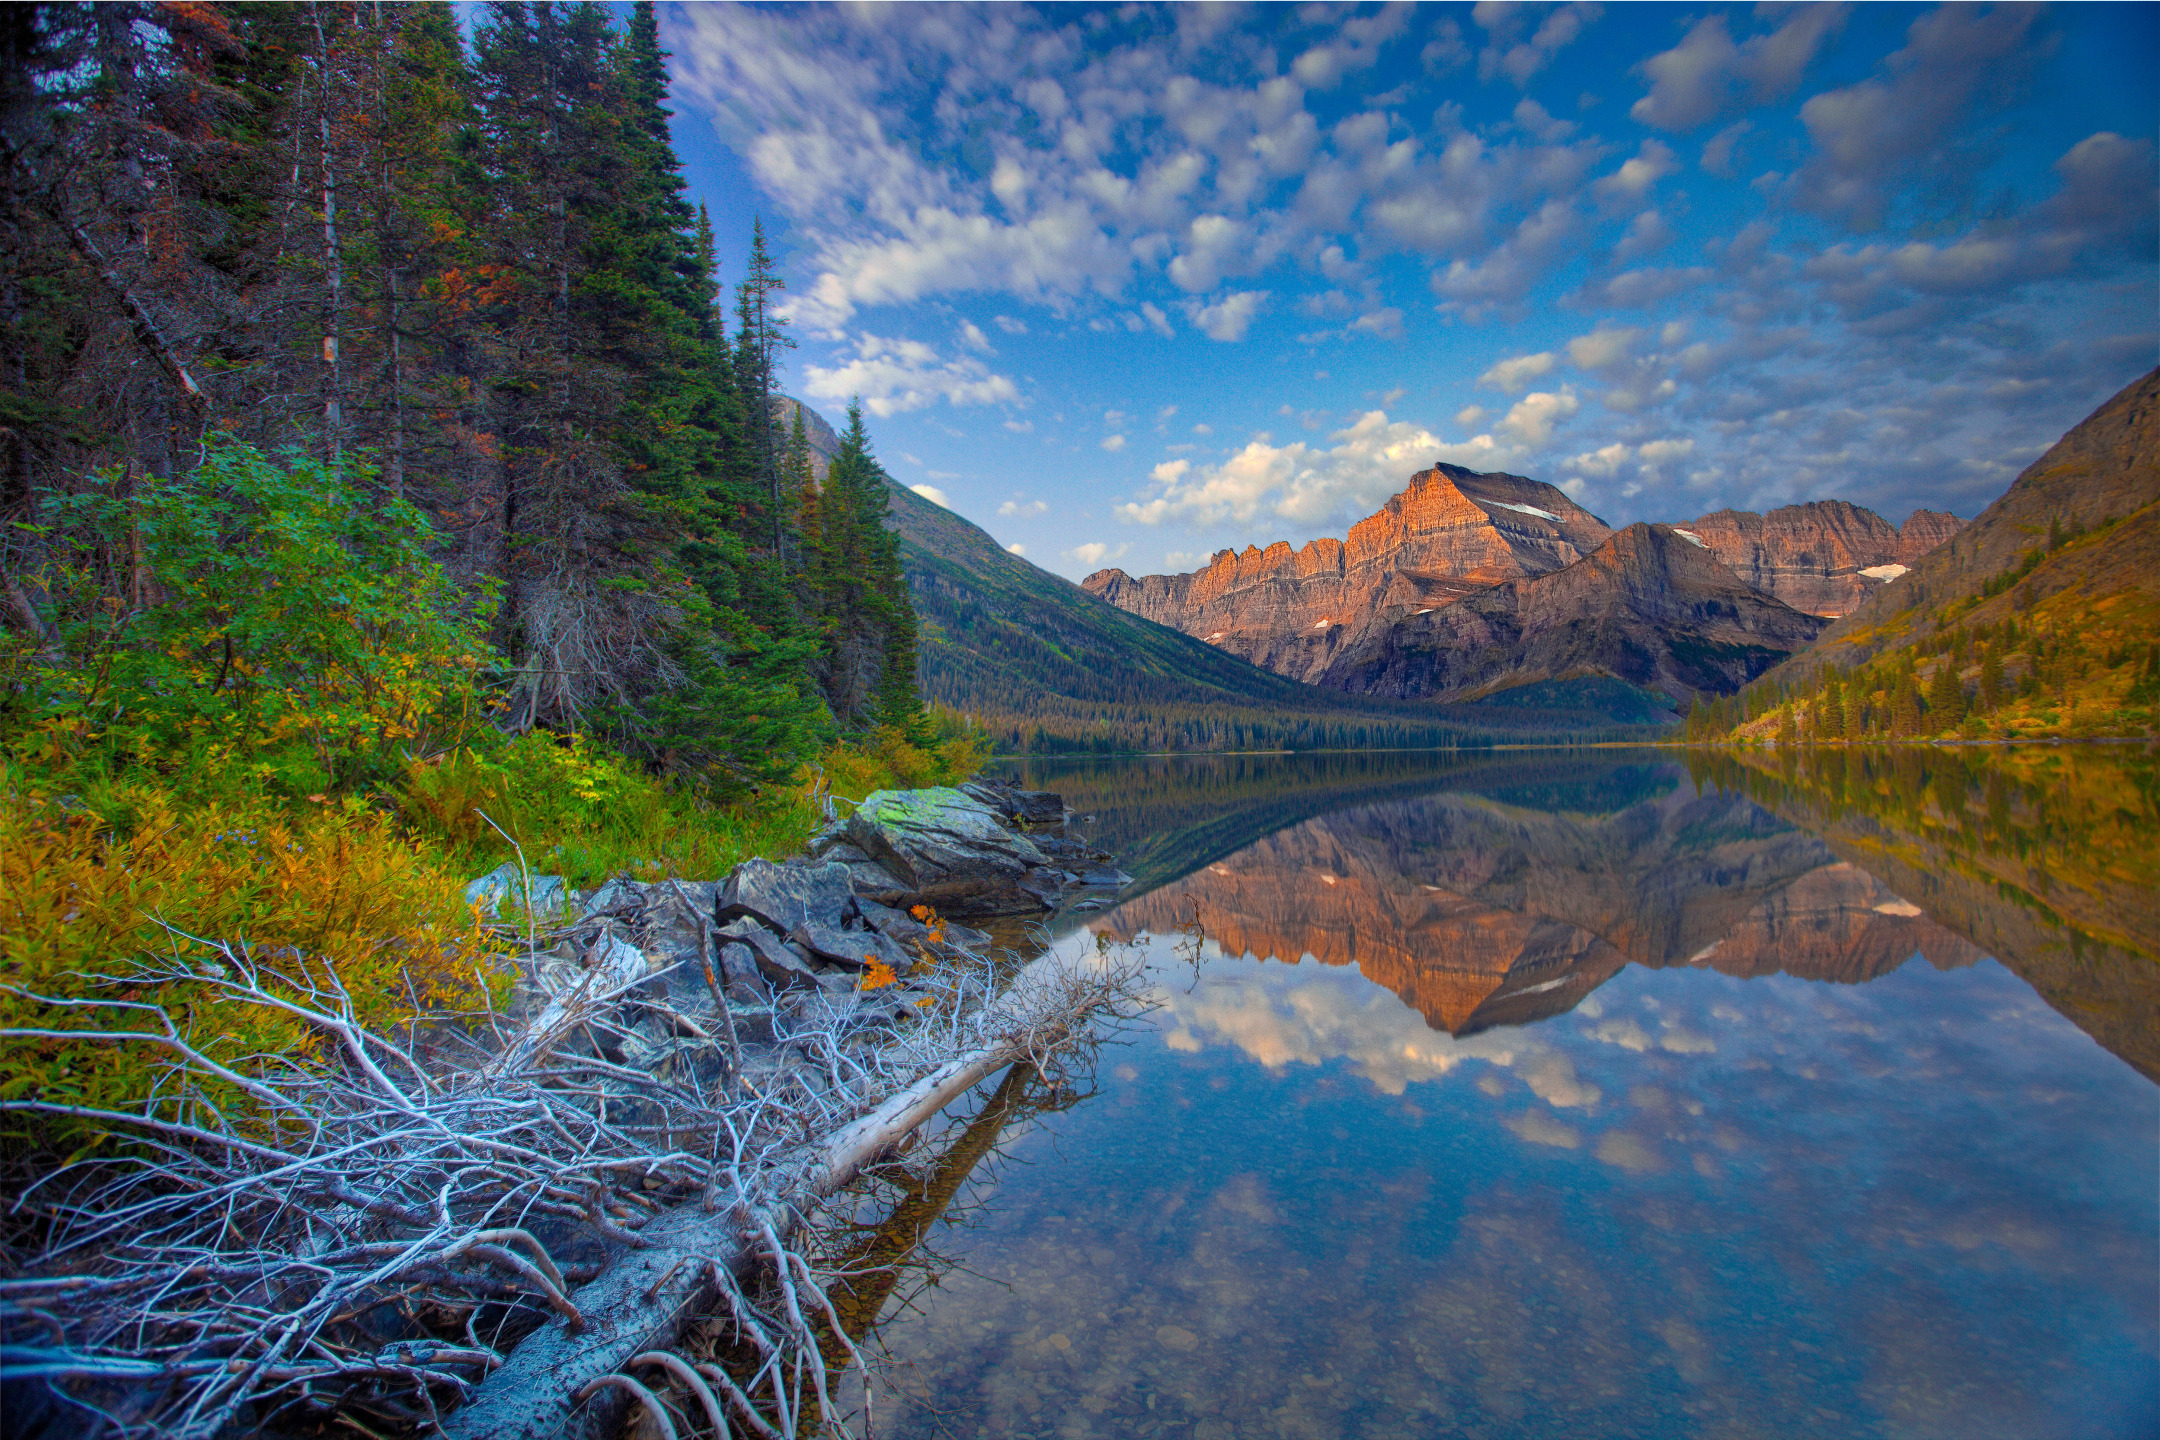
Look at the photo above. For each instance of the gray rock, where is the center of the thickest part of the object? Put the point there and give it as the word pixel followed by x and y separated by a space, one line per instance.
pixel 775 961
pixel 949 849
pixel 893 924
pixel 1028 807
pixel 851 948
pixel 737 962
pixel 550 897
pixel 615 894
pixel 1107 877
pixel 784 896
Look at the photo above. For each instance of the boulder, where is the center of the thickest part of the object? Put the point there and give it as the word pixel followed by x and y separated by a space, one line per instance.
pixel 776 962
pixel 550 895
pixel 948 849
pixel 1025 807
pixel 784 896
pixel 850 948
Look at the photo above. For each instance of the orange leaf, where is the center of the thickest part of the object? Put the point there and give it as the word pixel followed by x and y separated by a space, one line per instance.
pixel 878 976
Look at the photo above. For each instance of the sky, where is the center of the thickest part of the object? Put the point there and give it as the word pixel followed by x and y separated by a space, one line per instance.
pixel 1128 285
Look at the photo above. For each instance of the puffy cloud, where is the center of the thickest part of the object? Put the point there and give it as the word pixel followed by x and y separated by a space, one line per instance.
pixel 1534 118
pixel 1870 134
pixel 1532 418
pixel 1506 275
pixel 1307 483
pixel 1659 452
pixel 1229 318
pixel 1095 553
pixel 893 376
pixel 1514 376
pixel 1602 464
pixel 1650 164
pixel 1113 443
pixel 971 335
pixel 1603 347
pixel 1647 234
pixel 1016 548
pixel 1707 77
pixel 1521 59
pixel 1717 152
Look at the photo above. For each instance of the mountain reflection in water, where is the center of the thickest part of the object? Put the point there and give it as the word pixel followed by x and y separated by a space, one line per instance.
pixel 1630 1095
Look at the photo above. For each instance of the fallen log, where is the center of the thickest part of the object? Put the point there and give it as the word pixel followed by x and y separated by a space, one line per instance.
pixel 644 1298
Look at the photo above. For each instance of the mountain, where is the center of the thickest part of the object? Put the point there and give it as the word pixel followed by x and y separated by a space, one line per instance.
pixel 2043 611
pixel 1478 913
pixel 1825 557
pixel 1450 533
pixel 1046 666
pixel 1650 607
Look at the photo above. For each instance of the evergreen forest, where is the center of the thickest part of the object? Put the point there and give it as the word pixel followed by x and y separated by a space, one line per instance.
pixel 307 291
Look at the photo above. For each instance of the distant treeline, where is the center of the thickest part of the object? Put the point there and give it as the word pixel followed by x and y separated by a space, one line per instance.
pixel 461 278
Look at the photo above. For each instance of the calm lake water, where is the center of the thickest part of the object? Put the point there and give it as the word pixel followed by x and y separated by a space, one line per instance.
pixel 1574 1095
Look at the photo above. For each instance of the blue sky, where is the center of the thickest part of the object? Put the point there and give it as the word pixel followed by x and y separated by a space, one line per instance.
pixel 1129 285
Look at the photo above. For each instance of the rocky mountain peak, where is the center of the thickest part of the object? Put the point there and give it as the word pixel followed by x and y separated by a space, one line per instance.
pixel 1825 556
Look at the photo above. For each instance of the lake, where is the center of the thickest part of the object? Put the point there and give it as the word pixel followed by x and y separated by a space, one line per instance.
pixel 1570 1094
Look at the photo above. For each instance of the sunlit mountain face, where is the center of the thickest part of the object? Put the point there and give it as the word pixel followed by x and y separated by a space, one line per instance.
pixel 1481 1093
pixel 1131 285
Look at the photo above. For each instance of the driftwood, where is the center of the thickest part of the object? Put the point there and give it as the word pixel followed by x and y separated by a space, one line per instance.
pixel 482 1234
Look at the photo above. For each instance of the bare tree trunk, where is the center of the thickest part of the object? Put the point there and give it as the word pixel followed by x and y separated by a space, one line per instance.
pixel 333 258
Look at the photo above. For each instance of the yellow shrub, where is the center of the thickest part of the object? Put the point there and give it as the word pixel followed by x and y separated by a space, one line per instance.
pixel 89 894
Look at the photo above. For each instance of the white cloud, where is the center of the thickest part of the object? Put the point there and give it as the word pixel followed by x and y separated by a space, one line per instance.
pixel 1023 507
pixel 1506 275
pixel 1156 320
pixel 1707 77
pixel 1179 560
pixel 1203 429
pixel 1303 482
pixel 1659 452
pixel 1533 118
pixel 1016 548
pixel 1870 134
pixel 1470 416
pixel 1532 418
pixel 1603 347
pixel 1228 318
pixel 1603 463
pixel 1020 427
pixel 1095 553
pixel 1646 235
pixel 892 376
pixel 1113 443
pixel 1650 164
pixel 972 336
pixel 1009 325
pixel 1514 376
pixel 934 495
pixel 1521 59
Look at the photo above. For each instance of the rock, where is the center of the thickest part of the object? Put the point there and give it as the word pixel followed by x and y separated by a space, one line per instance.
pixel 851 948
pixel 1104 877
pixel 775 961
pixel 1650 607
pixel 1027 807
pixel 1824 557
pixel 874 882
pixel 616 894
pixel 784 896
pixel 1450 533
pixel 550 896
pixel 893 924
pixel 948 849
pixel 738 962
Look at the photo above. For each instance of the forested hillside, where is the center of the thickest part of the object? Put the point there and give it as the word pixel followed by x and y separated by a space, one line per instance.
pixel 456 290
